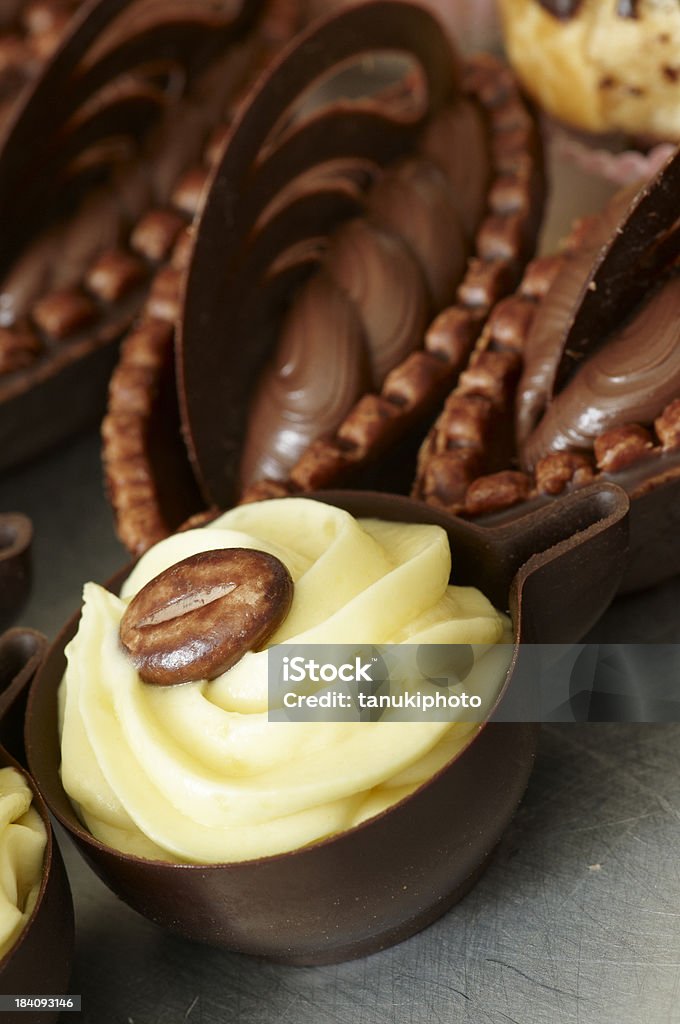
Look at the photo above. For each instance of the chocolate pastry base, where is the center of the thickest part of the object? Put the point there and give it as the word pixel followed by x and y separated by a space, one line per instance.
pixel 40 961
pixel 374 885
pixel 578 414
pixel 116 119
pixel 226 339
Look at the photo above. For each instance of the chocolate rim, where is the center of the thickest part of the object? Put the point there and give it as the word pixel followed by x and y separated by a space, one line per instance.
pixel 141 428
pixel 68 338
pixel 589 524
pixel 462 473
pixel 48 935
pixel 416 388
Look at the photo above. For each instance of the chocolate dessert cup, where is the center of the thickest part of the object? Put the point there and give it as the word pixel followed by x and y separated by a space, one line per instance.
pixel 380 882
pixel 118 121
pixel 595 328
pixel 39 963
pixel 319 219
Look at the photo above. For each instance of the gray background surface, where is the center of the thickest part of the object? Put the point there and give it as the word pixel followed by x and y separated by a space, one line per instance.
pixel 576 920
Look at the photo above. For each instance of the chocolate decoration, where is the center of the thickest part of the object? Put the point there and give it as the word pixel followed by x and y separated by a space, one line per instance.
pixel 562 9
pixel 615 411
pixel 274 148
pixel 198 618
pixel 541 354
pixel 631 379
pixel 48 936
pixel 149 479
pixel 457 140
pixel 16 537
pixel 415 202
pixel 262 159
pixel 91 123
pixel 396 873
pixel 385 285
pixel 321 369
pixel 644 242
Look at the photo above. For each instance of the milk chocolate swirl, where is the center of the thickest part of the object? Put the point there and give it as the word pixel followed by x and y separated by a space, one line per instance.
pixel 319 371
pixel 385 284
pixel 457 140
pixel 630 379
pixel 542 354
pixel 415 202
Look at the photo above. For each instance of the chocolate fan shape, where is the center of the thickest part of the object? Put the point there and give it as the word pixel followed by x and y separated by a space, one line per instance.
pixel 346 212
pixel 596 328
pixel 47 939
pixel 380 882
pixel 110 131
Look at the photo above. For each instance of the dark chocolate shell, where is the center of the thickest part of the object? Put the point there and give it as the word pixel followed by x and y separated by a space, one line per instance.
pixel 439 227
pixel 48 937
pixel 100 166
pixel 391 876
pixel 595 332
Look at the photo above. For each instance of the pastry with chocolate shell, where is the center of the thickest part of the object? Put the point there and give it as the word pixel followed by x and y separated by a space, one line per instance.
pixel 119 121
pixel 364 218
pixel 597 330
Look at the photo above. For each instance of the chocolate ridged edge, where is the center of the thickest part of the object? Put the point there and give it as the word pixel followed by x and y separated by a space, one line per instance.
pixel 148 479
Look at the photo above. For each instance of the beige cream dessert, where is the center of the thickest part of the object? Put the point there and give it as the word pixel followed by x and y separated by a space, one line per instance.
pixel 22 851
pixel 197 772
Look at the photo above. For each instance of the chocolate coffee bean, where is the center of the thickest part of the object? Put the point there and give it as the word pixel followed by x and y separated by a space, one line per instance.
pixel 199 617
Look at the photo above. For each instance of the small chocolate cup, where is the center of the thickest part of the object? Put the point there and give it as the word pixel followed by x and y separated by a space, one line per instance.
pixel 39 963
pixel 378 883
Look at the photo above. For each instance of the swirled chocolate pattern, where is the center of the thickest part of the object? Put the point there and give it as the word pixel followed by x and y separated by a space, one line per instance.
pixel 415 202
pixel 631 379
pixel 457 139
pixel 541 354
pixel 386 287
pixel 319 371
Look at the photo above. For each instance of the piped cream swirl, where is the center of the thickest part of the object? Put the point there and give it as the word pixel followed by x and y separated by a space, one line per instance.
pixel 197 772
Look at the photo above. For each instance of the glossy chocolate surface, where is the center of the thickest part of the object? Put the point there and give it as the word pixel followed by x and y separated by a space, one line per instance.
pixel 320 370
pixel 602 351
pixel 376 884
pixel 630 379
